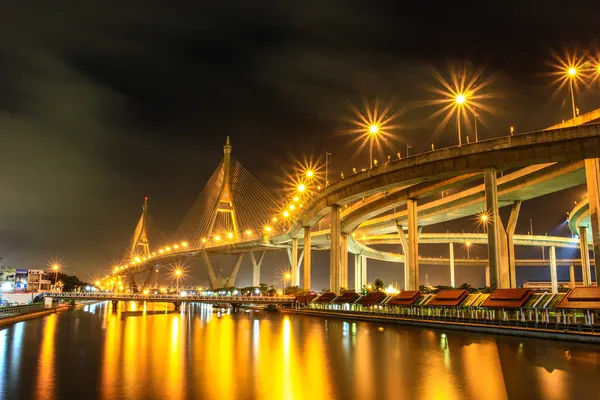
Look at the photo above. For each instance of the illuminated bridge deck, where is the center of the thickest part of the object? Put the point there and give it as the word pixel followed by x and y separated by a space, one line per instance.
pixel 171 298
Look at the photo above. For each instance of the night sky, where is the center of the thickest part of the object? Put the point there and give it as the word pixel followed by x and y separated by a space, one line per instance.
pixel 103 103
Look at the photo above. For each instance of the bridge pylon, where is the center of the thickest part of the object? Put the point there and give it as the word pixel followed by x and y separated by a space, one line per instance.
pixel 140 235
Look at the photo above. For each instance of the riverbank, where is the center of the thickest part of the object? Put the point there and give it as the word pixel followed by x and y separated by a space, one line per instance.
pixel 37 313
pixel 581 337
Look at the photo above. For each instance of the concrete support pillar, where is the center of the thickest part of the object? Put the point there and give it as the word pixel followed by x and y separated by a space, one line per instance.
pixel 491 206
pixel 413 246
pixel 256 267
pixel 592 178
pixel 553 274
pixel 510 233
pixel 334 251
pixel 404 242
pixel 585 256
pixel 294 261
pixel 452 280
pixel 487 276
pixel 572 276
pixel 307 257
pixel 236 269
pixel 363 274
pixel 344 261
pixel 357 273
pixel 212 278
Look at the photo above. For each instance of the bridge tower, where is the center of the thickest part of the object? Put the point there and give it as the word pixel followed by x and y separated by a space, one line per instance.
pixel 140 235
pixel 224 203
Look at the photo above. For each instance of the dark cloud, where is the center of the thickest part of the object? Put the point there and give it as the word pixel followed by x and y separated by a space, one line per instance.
pixel 102 103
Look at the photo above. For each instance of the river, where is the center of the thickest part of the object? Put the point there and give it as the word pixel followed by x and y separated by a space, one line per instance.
pixel 149 352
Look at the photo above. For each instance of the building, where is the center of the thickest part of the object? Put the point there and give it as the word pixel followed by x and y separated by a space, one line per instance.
pixel 38 280
pixel 7 277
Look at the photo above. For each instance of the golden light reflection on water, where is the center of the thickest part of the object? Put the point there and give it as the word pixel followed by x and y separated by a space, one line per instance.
pixel 202 354
pixel 45 372
pixel 483 371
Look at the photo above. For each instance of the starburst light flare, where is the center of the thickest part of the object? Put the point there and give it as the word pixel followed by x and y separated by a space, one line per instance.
pixel 463 96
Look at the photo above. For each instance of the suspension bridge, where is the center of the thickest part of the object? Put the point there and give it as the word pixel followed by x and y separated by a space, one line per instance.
pixel 235 214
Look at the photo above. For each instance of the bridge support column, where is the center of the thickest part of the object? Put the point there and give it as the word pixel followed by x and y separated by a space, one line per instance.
pixel 572 276
pixel 553 272
pixel 404 242
pixel 585 256
pixel 363 272
pixel 487 275
pixel 115 305
pixel 592 177
pixel 334 251
pixel 236 269
pixel 452 280
pixel 294 261
pixel 177 305
pixel 344 261
pixel 212 278
pixel 495 245
pixel 357 273
pixel 307 257
pixel 256 267
pixel 510 234
pixel 413 246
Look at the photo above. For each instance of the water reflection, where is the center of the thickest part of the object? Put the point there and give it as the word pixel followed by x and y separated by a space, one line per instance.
pixel 150 351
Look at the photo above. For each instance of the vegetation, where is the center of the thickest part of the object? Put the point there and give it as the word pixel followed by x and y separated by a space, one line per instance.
pixel 378 285
pixel 71 282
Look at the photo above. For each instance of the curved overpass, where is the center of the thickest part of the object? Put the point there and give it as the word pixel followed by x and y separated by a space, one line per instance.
pixel 549 146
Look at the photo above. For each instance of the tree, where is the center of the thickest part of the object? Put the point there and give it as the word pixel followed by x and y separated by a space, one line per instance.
pixel 467 287
pixel 294 290
pixel 71 282
pixel 378 285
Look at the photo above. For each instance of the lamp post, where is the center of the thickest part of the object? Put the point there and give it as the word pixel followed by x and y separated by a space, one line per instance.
pixel 373 131
pixel 55 268
pixel 178 273
pixel 572 74
pixel 460 100
pixel 468 245
pixel 327 154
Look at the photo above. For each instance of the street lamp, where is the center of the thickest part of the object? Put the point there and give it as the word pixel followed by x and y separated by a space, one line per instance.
pixel 178 272
pixel 460 100
pixel 572 75
pixel 373 131
pixel 468 246
pixel 55 268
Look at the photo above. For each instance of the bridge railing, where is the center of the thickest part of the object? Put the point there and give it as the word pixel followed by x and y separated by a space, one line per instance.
pixel 168 297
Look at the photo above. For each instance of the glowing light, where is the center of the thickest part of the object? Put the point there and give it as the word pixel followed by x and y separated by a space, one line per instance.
pixel 572 71
pixel 203 240
pixel 175 246
pixel 137 260
pixel 184 244
pixel 178 272
pixel 161 251
pixel 484 217
pixel 373 126
pixel 310 173
pixel 301 187
pixel 248 232
pixel 97 283
pixel 296 199
pixel 391 290
pixel 267 229
pixel 217 238
pixel 292 207
pixel 146 292
pixel 286 214
pixel 230 235
pixel 468 244
pixel 168 249
pixel 274 219
pixel 288 276
pixel 462 96
pixel 116 269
